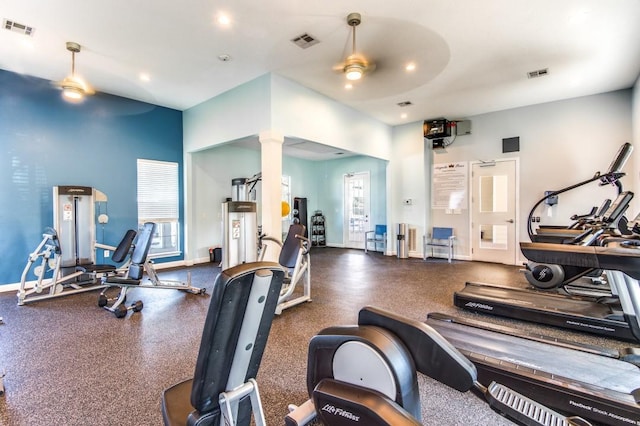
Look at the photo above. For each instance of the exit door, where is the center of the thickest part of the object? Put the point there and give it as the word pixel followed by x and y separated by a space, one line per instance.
pixel 356 209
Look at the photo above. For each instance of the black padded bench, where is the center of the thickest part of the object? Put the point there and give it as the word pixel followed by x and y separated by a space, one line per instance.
pixel 238 322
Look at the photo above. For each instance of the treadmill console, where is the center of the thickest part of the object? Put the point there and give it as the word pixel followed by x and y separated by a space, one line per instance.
pixel 617 209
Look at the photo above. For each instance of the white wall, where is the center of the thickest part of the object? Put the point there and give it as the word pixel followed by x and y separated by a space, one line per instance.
pixel 303 113
pixel 408 179
pixel 561 143
pixel 240 112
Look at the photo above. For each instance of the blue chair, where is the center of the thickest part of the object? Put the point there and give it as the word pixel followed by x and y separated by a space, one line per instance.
pixel 440 237
pixel 378 237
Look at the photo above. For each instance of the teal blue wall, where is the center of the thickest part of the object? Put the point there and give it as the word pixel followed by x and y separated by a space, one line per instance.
pixel 330 182
pixel 45 141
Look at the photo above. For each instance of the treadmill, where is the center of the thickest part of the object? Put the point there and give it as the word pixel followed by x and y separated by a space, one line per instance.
pixel 597 385
pixel 547 277
pixel 566 234
pixel 618 318
pixel 578 280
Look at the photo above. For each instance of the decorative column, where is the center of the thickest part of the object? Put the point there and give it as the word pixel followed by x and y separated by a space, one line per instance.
pixel 271 162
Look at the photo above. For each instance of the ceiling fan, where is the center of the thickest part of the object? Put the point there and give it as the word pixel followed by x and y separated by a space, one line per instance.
pixel 74 89
pixel 355 65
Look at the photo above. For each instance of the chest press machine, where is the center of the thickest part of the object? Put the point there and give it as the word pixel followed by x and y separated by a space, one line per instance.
pixel 67 251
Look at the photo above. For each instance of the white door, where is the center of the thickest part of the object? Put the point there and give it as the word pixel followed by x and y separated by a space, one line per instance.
pixel 494 211
pixel 356 209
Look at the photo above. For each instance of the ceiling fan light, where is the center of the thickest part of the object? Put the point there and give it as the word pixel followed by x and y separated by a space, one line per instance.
pixel 73 88
pixel 353 72
pixel 73 93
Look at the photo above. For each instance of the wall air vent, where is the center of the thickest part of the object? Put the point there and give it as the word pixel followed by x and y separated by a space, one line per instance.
pixel 404 104
pixel 305 41
pixel 14 26
pixel 538 73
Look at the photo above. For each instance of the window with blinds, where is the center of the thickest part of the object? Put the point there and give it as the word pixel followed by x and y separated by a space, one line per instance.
pixel 158 202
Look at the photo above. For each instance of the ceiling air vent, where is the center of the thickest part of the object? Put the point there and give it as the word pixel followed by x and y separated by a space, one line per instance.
pixel 538 73
pixel 404 104
pixel 305 41
pixel 17 27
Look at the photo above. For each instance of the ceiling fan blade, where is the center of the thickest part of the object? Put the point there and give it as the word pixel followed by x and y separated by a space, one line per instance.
pixel 339 67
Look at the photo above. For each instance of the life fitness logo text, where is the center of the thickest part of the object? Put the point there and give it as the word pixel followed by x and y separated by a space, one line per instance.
pixel 340 412
pixel 474 305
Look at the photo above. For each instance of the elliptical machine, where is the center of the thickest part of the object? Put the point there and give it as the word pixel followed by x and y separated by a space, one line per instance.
pixel 366 374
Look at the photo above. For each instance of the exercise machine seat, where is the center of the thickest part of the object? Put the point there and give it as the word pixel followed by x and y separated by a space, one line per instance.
pixel 119 255
pixel 291 246
pixel 138 257
pixel 242 307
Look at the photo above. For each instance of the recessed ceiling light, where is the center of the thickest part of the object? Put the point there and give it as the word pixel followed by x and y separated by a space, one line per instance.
pixel 403 116
pixel 224 19
pixel 143 76
pixel 410 67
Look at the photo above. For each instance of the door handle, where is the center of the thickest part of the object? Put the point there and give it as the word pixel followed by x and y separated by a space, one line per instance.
pixel 510 220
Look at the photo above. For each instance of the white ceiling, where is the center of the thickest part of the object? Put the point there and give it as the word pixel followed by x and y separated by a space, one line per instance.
pixel 471 56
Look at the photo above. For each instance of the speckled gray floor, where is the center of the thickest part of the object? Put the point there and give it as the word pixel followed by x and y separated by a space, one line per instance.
pixel 69 362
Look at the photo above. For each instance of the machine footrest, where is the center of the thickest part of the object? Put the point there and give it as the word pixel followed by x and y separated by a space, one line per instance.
pixel 525 410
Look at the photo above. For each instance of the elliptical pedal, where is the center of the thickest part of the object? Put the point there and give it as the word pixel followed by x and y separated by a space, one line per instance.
pixel 525 410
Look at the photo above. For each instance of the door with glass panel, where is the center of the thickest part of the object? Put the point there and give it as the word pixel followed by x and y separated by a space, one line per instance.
pixel 356 209
pixel 493 212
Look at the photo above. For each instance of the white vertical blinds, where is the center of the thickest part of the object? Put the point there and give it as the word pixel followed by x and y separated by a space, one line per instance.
pixel 157 191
